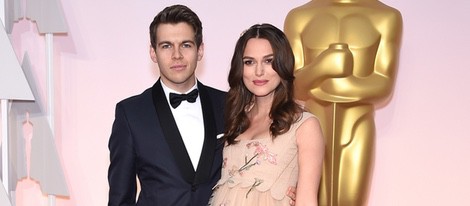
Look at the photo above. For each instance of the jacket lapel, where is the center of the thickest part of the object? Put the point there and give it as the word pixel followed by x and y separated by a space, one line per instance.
pixel 171 133
pixel 203 172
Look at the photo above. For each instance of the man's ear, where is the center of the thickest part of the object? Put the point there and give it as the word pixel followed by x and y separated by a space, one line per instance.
pixel 153 54
pixel 200 52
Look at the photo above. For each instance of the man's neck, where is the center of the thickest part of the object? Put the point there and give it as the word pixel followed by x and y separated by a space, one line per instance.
pixel 183 88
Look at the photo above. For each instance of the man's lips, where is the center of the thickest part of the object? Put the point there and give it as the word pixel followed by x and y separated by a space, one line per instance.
pixel 178 67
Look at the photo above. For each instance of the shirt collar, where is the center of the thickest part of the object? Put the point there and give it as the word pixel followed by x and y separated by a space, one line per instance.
pixel 167 90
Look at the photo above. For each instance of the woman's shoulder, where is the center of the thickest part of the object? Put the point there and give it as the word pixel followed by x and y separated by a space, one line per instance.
pixel 304 116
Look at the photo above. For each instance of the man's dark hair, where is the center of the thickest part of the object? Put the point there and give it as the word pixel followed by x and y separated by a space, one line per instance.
pixel 173 15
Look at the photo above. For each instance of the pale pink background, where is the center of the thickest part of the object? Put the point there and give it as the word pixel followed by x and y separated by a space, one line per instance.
pixel 423 145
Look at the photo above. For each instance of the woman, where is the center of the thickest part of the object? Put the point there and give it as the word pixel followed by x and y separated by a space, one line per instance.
pixel 271 143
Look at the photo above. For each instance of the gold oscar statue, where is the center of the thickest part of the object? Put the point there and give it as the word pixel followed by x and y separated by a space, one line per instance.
pixel 346 60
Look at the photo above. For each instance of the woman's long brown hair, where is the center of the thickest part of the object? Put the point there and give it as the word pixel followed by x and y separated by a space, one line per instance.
pixel 284 111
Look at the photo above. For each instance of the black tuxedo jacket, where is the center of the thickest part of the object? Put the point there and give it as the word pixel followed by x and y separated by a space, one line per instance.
pixel 145 142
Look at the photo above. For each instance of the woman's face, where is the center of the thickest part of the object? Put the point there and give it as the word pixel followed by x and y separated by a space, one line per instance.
pixel 258 74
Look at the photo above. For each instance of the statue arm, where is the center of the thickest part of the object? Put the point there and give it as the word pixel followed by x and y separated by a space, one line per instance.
pixel 334 62
pixel 293 30
pixel 353 89
pixel 379 84
pixel 293 27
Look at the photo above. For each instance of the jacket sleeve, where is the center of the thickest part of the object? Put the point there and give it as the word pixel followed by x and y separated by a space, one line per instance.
pixel 122 169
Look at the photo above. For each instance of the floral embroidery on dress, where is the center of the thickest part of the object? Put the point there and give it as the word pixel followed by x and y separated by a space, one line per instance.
pixel 261 153
pixel 255 184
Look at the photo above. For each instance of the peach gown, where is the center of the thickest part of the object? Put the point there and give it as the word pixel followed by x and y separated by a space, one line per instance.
pixel 259 171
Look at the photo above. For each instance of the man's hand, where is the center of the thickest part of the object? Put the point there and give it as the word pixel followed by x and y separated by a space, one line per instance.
pixel 291 194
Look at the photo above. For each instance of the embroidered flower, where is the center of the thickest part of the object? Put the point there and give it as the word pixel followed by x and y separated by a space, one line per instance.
pixel 255 184
pixel 262 153
pixel 232 172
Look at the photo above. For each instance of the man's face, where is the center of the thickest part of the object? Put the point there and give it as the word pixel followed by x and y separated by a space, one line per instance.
pixel 177 55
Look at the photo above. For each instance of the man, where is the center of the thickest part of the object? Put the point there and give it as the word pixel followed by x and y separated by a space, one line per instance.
pixel 169 144
pixel 173 150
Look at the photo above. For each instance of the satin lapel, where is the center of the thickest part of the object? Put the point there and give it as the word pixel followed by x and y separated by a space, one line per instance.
pixel 203 172
pixel 171 132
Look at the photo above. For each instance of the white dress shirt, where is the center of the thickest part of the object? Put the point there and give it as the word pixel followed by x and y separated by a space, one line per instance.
pixel 188 117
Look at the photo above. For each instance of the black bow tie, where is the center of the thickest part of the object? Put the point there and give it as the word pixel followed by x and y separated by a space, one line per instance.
pixel 175 99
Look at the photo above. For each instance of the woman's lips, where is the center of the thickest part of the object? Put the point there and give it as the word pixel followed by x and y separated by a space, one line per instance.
pixel 260 82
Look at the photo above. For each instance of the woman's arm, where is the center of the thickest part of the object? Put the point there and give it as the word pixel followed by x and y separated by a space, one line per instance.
pixel 311 150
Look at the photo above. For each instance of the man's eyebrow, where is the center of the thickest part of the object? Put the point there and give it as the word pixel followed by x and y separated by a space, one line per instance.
pixel 189 41
pixel 164 42
pixel 170 43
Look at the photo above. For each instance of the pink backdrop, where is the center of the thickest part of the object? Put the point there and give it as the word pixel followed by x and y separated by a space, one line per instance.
pixel 422 142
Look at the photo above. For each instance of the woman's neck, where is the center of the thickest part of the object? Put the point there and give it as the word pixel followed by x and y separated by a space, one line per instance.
pixel 262 105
